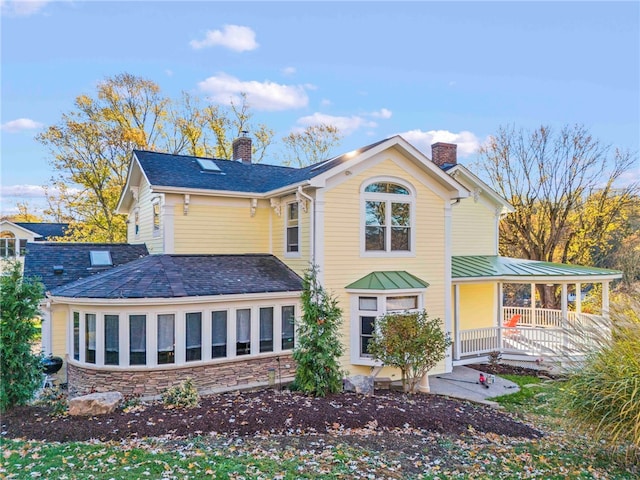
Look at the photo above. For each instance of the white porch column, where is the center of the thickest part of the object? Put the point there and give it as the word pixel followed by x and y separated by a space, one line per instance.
pixel 564 303
pixel 578 298
pixel 534 321
pixel 605 299
pixel 500 314
pixel 456 321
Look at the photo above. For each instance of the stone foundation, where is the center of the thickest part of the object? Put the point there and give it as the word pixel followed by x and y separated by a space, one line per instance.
pixel 236 374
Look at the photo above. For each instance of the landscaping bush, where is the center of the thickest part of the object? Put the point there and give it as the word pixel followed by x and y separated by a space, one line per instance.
pixel 603 393
pixel 317 354
pixel 21 368
pixel 55 399
pixel 184 395
pixel 412 342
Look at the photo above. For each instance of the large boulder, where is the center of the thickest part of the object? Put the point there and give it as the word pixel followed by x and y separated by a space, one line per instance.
pixel 95 403
pixel 362 384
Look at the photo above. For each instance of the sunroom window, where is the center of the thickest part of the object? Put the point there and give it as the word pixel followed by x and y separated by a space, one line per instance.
pixel 388 218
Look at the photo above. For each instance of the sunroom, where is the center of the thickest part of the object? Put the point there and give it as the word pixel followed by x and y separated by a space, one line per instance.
pixel 226 321
pixel 524 308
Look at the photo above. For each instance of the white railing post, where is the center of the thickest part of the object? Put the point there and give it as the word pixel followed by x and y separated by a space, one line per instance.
pixel 456 321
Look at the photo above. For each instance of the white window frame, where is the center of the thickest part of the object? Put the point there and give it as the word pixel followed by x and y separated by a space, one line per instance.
pixel 388 198
pixel 287 225
pixel 156 218
pixel 180 348
pixel 356 314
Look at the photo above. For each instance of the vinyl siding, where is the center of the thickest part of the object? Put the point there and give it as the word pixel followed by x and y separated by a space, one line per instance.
pixel 342 250
pixel 221 226
pixel 298 263
pixel 144 205
pixel 59 318
pixel 478 305
pixel 474 228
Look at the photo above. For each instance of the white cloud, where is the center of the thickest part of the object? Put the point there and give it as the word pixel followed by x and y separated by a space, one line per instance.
pixel 266 95
pixel 467 142
pixel 325 102
pixel 233 37
pixel 346 125
pixel 382 113
pixel 20 124
pixel 22 8
pixel 288 70
pixel 23 191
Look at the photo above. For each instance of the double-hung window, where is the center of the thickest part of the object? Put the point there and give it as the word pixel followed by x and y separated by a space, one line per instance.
pixel 219 334
pixel 293 230
pixel 166 338
pixel 90 337
pixel 111 340
pixel 137 339
pixel 388 217
pixel 194 336
pixel 288 327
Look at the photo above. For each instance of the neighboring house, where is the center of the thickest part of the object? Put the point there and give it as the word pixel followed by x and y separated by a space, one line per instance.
pixel 14 237
pixel 229 240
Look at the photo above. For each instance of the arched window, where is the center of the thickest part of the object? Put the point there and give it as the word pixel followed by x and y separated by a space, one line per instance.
pixel 388 217
pixel 7 244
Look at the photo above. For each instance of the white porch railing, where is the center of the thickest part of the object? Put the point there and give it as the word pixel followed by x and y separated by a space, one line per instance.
pixel 578 334
pixel 545 317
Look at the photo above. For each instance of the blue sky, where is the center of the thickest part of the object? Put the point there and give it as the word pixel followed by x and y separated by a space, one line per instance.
pixel 430 71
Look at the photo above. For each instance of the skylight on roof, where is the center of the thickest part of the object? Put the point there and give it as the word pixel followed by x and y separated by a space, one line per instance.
pixel 208 165
pixel 100 258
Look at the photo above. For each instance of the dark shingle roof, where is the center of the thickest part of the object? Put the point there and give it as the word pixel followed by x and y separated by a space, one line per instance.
pixel 46 230
pixel 168 170
pixel 170 276
pixel 75 260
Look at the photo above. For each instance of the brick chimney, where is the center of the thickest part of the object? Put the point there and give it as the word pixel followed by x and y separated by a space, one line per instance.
pixel 444 154
pixel 242 148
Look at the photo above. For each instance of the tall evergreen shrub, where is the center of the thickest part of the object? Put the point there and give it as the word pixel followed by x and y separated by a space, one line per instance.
pixel 317 354
pixel 20 368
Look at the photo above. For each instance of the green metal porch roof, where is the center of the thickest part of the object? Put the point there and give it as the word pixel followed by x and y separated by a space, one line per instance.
pixel 390 280
pixel 478 266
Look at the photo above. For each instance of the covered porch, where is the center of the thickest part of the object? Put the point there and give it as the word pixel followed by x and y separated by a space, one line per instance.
pixel 526 309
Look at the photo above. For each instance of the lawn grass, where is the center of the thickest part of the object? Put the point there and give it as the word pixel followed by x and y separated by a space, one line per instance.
pixel 561 454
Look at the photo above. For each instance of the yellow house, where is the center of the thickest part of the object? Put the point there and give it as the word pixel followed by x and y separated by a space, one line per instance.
pixel 218 297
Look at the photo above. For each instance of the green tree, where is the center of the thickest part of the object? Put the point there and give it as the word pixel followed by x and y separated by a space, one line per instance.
pixel 318 350
pixel 91 146
pixel 412 342
pixel 20 368
pixel 23 215
pixel 311 145
pixel 568 193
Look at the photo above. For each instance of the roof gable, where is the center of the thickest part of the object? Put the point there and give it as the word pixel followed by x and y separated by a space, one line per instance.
pixel 184 173
pixel 172 276
pixel 478 187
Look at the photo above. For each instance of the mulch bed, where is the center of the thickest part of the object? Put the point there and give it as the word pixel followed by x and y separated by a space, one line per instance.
pixel 269 412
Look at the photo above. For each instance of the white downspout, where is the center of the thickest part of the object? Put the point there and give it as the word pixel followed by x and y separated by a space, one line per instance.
pixel 312 222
